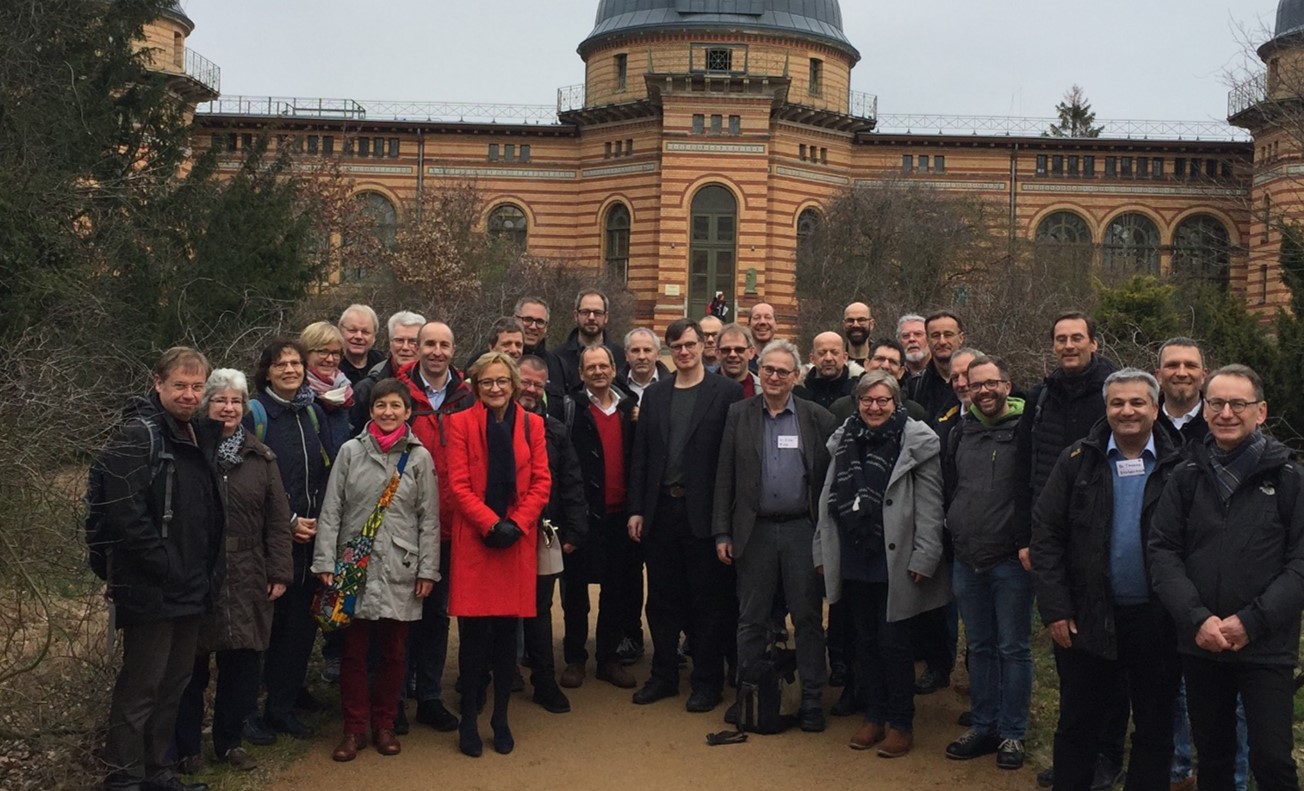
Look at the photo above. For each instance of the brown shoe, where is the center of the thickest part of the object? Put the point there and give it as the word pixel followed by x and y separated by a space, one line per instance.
pixel 870 734
pixel 896 743
pixel 617 675
pixel 386 742
pixel 573 675
pixel 1185 784
pixel 348 747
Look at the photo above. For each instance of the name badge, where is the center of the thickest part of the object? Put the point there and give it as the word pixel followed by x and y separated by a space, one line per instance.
pixel 787 440
pixel 1127 468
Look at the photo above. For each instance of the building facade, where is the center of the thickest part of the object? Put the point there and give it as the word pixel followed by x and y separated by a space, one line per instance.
pixel 709 135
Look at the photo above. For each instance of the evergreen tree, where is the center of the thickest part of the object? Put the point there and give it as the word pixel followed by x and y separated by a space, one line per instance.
pixel 1076 118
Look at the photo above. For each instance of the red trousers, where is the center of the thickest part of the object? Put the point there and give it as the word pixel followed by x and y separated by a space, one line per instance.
pixel 378 702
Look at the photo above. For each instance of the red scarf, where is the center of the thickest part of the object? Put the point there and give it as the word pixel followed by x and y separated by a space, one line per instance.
pixel 386 441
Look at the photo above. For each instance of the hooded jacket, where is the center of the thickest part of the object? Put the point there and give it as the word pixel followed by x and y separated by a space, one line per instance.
pixel 985 467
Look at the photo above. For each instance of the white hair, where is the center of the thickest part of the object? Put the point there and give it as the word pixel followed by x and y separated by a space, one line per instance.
pixel 784 346
pixel 656 342
pixel 224 379
pixel 906 319
pixel 365 310
pixel 405 318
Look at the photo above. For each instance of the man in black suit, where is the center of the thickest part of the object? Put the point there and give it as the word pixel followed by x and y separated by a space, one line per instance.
pixel 671 496
pixel 772 466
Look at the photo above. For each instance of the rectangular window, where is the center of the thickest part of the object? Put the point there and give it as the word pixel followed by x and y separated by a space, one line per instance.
pixel 816 77
pixel 314 144
pixel 606 150
pixel 1267 218
pixel 1041 164
pixel 493 152
pixel 328 145
pixel 622 67
pixel 1143 166
pixel 824 156
pixel 1089 166
pixel 735 124
pixel 907 162
pixel 364 146
pixel 717 124
pixel 923 163
pixel 1125 167
pixel 1211 168
pixel 509 152
pixel 1157 167
pixel 216 143
pixel 620 147
pixel 1111 167
pixel 939 164
pixel 246 142
pixel 629 146
pixel 378 147
pixel 525 153
pixel 699 124
pixel 393 148
pixel 1226 169
pixel 1179 167
pixel 348 146
pixel 719 60
pixel 1073 165
pixel 802 152
pixel 230 141
pixel 1057 165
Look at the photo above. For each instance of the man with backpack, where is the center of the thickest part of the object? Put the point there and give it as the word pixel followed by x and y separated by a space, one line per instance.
pixel 155 533
pixel 1227 561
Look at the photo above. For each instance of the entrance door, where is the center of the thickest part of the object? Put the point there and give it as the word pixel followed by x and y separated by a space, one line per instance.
pixel 713 249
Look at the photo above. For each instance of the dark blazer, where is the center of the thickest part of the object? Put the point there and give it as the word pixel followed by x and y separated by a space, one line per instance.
pixel 588 447
pixel 738 476
pixel 701 453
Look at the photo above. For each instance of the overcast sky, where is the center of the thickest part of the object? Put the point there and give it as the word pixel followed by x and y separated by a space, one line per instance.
pixel 1138 59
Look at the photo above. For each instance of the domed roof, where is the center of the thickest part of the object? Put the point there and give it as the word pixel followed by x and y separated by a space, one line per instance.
pixel 1290 17
pixel 819 20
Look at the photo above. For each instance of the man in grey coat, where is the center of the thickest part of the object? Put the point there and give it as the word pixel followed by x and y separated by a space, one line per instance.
pixel 772 465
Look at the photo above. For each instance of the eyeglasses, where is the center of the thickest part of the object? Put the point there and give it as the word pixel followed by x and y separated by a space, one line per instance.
pixel 882 402
pixel 1238 405
pixel 990 384
pixel 883 360
pixel 857 321
pixel 681 345
pixel 326 352
pixel 770 370
pixel 501 382
pixel 591 314
pixel 286 365
pixel 727 350
pixel 531 321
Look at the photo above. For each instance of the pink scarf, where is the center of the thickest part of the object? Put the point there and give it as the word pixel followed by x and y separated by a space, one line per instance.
pixel 386 441
pixel 333 395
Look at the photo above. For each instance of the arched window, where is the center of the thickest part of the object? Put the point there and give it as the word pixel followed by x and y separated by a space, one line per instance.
pixel 377 230
pixel 808 224
pixel 1132 245
pixel 712 247
pixel 508 222
pixel 615 250
pixel 1202 249
pixel 1064 247
pixel 1064 227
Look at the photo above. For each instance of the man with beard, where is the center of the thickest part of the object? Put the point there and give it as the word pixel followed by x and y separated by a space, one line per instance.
pixel 533 314
pixel 761 323
pixel 914 340
pixel 988 511
pixel 1181 373
pixel 735 346
pixel 829 377
pixel 711 336
pixel 591 316
pixel 932 388
pixel 857 324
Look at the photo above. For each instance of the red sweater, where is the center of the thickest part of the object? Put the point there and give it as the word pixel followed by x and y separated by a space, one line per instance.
pixel 613 458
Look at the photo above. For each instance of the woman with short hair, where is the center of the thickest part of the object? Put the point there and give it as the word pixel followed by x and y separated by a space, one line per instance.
pixel 325 349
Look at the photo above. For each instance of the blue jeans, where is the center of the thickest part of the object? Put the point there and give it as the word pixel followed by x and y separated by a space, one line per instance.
pixel 1184 765
pixel 996 606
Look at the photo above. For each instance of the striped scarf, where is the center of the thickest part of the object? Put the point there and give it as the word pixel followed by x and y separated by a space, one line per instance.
pixel 862 466
pixel 1233 466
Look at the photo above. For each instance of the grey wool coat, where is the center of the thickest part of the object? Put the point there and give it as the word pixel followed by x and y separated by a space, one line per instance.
pixel 912 527
pixel 406 547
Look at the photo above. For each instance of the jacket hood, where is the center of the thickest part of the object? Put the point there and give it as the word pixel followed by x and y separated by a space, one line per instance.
pixel 142 406
pixel 1016 406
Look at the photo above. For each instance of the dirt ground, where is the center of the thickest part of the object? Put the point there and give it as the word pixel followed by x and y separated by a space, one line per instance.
pixel 606 742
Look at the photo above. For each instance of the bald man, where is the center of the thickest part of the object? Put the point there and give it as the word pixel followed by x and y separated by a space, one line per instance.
pixel 761 323
pixel 857 324
pixel 829 376
pixel 710 338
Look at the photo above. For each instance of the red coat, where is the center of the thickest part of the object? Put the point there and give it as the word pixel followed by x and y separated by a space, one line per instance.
pixel 484 581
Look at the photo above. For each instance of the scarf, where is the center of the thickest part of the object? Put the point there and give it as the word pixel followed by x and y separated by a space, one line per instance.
pixel 863 465
pixel 386 441
pixel 301 401
pixel 334 394
pixel 1230 467
pixel 500 488
pixel 228 451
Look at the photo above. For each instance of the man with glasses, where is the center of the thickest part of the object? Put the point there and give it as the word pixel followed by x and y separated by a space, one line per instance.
pixel 988 511
pixel 932 388
pixel 1227 560
pixel 710 339
pixel 885 354
pixel 857 324
pixel 914 341
pixel 671 495
pixel 772 465
pixel 359 325
pixel 592 311
pixel 533 314
pixel 735 347
pixel 403 327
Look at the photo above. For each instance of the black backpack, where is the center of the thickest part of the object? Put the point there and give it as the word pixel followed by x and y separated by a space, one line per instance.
pixel 761 685
pixel 99 542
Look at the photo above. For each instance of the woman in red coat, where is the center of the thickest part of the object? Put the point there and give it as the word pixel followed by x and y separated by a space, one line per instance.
pixel 499 480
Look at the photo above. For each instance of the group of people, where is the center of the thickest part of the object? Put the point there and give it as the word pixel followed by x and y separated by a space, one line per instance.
pixel 904 480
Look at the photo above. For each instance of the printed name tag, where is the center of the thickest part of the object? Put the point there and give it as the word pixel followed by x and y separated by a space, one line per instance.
pixel 1129 467
pixel 787 440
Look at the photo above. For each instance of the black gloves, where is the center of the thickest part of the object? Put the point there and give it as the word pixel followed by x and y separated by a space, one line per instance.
pixel 503 534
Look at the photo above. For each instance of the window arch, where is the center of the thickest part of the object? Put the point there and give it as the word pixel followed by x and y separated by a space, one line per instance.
pixel 1064 246
pixel 1064 227
pixel 713 244
pixel 615 251
pixel 378 230
pixel 1132 245
pixel 508 222
pixel 1202 249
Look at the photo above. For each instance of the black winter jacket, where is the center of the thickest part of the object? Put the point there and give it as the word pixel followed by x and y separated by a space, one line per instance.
pixel 564 362
pixel 1072 526
pixel 1242 558
pixel 825 391
pixel 152 576
pixel 932 392
pixel 1066 413
pixel 566 506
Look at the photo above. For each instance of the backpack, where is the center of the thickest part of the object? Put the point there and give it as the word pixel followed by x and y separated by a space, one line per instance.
pixel 98 541
pixel 1287 486
pixel 762 687
pixel 259 413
